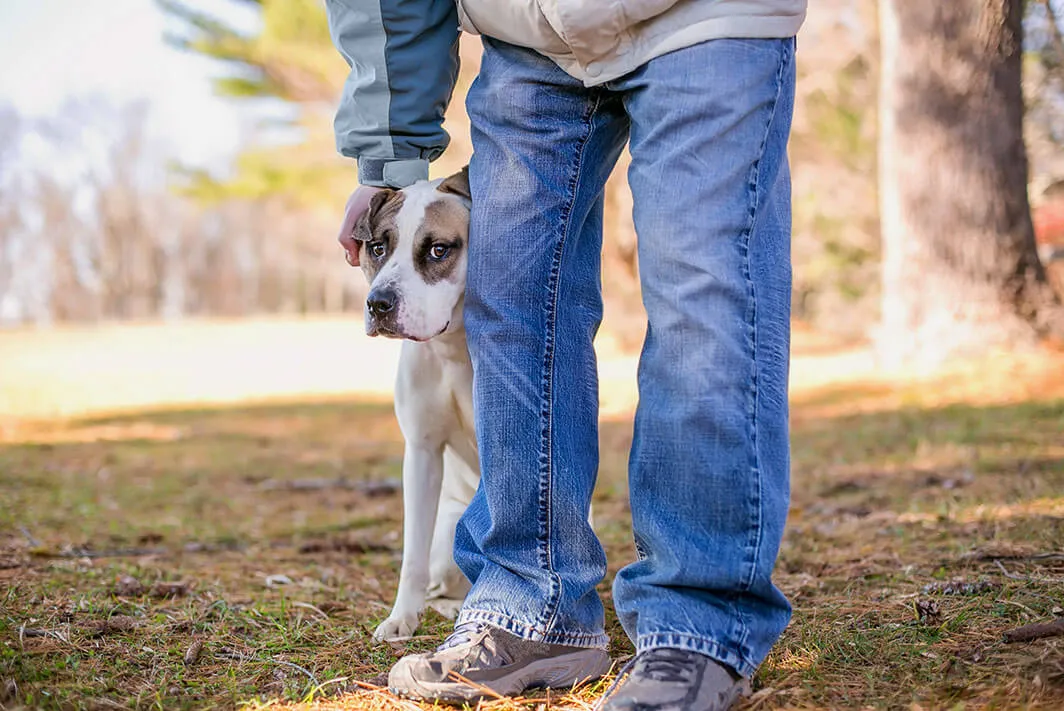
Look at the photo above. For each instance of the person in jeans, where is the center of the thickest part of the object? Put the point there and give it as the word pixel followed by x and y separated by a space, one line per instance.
pixel 702 92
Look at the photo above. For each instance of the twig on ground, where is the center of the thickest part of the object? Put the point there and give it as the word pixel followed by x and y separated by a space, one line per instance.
pixel 381 691
pixel 384 487
pixel 116 553
pixel 312 608
pixel 1029 633
pixel 136 552
pixel 318 689
pixel 25 632
pixel 228 653
pixel 1027 578
pixel 1049 555
pixel 34 543
pixel 479 687
pixel 313 679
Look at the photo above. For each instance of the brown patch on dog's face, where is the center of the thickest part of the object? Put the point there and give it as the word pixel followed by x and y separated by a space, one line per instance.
pixel 441 241
pixel 413 253
pixel 377 232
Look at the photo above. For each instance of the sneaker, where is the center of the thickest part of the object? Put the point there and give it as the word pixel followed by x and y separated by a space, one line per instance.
pixel 478 661
pixel 673 680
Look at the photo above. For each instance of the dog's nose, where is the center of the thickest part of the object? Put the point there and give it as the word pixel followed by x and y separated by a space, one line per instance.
pixel 381 301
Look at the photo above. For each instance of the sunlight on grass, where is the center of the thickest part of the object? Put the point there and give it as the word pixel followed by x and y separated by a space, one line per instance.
pixel 266 539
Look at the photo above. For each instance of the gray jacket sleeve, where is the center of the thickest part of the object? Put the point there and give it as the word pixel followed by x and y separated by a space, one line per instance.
pixel 403 56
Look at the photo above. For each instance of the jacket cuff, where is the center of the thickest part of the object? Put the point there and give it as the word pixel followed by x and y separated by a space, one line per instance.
pixel 390 173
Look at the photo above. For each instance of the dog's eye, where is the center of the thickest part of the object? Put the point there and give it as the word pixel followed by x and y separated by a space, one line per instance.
pixel 439 252
pixel 376 249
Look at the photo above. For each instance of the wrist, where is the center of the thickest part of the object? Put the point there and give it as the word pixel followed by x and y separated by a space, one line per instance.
pixel 391 173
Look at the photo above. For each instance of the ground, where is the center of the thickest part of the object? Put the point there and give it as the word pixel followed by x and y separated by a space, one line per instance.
pixel 172 554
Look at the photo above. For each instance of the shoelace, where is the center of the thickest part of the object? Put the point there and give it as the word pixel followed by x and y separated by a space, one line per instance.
pixel 463 633
pixel 668 665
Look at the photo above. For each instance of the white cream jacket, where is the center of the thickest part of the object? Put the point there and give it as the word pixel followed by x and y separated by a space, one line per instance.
pixel 599 40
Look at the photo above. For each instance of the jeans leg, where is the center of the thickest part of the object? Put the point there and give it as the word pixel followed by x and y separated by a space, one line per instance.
pixel 709 467
pixel 543 148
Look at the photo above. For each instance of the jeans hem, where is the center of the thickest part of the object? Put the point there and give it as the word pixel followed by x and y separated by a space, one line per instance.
pixel 701 645
pixel 533 633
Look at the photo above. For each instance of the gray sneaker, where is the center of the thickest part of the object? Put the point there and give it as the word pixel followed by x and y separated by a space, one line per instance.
pixel 673 680
pixel 478 661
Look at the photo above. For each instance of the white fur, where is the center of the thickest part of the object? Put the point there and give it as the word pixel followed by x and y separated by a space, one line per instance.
pixel 424 310
pixel 434 406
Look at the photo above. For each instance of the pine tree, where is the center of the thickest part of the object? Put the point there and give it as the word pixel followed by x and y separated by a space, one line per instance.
pixel 291 60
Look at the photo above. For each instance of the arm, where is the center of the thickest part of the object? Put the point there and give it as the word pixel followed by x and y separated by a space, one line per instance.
pixel 403 56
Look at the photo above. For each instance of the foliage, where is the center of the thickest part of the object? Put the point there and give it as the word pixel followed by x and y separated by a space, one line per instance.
pixel 288 59
pixel 103 239
pixel 836 227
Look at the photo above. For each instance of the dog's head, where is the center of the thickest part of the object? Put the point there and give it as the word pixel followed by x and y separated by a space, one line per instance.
pixel 412 248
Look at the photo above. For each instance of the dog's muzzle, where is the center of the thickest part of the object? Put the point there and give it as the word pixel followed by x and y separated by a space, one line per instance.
pixel 382 306
pixel 381 302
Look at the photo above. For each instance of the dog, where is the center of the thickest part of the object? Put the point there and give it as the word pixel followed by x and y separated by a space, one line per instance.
pixel 412 249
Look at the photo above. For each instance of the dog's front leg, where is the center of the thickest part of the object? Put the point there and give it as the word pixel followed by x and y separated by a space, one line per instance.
pixel 422 479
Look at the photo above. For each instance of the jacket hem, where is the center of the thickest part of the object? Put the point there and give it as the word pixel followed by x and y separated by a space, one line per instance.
pixel 596 73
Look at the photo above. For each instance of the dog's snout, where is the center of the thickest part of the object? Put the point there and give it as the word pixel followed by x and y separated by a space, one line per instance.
pixel 381 301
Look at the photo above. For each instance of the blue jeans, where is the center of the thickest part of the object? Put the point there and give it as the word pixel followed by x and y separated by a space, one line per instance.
pixel 709 466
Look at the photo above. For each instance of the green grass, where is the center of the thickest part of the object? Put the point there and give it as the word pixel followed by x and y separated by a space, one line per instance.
pixel 884 505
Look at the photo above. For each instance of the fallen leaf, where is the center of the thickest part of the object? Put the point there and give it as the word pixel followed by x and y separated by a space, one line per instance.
pixel 193 652
pixel 959 587
pixel 175 589
pixel 276 580
pixel 112 625
pixel 927 610
pixel 128 586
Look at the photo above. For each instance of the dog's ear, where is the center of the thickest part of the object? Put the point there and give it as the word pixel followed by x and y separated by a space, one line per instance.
pixel 457 184
pixel 364 227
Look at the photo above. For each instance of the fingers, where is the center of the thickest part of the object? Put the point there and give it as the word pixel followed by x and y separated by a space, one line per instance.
pixel 357 205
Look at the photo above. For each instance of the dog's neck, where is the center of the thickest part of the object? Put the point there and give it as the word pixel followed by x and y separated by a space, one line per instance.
pixel 450 345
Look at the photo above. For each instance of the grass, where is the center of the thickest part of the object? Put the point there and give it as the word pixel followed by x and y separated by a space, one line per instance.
pixel 284 562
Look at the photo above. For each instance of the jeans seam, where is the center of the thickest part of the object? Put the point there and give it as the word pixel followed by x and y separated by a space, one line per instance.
pixel 550 610
pixel 754 196
pixel 524 630
pixel 735 658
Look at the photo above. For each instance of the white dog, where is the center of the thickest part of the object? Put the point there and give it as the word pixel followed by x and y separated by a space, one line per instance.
pixel 413 251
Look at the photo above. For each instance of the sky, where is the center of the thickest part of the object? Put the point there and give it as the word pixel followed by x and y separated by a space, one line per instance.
pixel 53 50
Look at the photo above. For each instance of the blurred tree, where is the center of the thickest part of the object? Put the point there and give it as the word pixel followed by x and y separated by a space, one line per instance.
pixel 960 268
pixel 290 59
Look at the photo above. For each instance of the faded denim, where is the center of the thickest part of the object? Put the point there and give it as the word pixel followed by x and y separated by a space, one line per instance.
pixel 709 466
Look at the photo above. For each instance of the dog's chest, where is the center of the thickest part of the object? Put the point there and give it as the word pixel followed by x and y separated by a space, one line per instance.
pixel 434 393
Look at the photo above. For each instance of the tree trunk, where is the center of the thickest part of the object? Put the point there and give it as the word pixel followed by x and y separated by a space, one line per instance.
pixel 960 267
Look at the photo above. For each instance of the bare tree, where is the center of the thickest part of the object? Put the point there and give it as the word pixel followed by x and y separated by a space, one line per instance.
pixel 90 230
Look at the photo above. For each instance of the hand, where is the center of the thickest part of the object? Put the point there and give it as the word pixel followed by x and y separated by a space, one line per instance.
pixel 357 205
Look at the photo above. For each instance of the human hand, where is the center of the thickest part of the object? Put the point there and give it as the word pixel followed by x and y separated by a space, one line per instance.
pixel 357 205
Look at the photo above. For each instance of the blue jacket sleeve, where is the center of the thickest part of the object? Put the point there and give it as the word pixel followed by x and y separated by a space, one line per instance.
pixel 403 56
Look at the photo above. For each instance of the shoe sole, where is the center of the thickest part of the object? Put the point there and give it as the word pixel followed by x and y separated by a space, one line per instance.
pixel 556 673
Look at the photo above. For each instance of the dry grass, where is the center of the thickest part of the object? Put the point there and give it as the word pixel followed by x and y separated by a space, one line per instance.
pixel 927 519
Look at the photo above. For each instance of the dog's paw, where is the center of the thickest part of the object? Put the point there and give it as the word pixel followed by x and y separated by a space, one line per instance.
pixel 396 628
pixel 448 607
